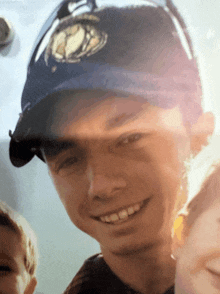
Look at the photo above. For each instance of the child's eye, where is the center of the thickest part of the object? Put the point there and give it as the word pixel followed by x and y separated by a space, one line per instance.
pixel 4 270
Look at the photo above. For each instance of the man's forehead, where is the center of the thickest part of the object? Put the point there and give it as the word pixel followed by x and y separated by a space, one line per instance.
pixel 110 110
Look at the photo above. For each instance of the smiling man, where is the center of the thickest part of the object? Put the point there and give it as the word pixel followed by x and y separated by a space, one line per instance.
pixel 112 104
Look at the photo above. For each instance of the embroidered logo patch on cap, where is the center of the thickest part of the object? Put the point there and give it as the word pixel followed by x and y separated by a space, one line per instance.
pixel 74 38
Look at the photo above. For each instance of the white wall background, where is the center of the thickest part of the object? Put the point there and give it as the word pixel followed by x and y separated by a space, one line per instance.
pixel 63 248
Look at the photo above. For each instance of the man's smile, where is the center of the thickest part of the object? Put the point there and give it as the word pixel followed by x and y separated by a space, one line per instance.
pixel 119 216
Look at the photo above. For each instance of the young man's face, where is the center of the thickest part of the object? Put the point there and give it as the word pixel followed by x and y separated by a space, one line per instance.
pixel 119 179
pixel 13 275
pixel 198 260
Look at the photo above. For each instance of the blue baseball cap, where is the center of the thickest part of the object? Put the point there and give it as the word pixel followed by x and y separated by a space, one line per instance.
pixel 139 48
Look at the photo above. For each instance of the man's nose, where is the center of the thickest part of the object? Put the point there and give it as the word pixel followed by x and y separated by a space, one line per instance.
pixel 104 185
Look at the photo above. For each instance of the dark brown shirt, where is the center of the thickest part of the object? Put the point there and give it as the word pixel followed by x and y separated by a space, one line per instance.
pixel 95 277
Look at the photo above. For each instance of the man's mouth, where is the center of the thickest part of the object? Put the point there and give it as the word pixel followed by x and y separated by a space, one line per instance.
pixel 123 214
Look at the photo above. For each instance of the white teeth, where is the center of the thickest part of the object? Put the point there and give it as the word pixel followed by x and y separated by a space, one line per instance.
pixel 137 207
pixel 130 210
pixel 114 217
pixel 122 215
pixel 107 219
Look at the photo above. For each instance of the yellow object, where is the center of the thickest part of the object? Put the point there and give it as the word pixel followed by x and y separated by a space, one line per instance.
pixel 178 227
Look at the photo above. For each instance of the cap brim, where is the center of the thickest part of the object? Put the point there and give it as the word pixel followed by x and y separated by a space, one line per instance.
pixel 163 92
pixel 19 154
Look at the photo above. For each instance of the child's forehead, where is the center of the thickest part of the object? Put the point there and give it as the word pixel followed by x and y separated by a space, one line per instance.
pixel 206 203
pixel 210 193
pixel 11 243
pixel 13 252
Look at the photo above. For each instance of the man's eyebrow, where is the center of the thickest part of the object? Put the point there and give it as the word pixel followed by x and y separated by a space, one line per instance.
pixel 54 147
pixel 121 119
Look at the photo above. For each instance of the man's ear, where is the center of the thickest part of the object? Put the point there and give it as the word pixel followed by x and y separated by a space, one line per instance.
pixel 201 130
pixel 178 235
pixel 31 286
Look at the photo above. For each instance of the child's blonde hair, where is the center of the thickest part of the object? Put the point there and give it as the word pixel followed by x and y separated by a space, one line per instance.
pixel 203 182
pixel 17 223
pixel 203 198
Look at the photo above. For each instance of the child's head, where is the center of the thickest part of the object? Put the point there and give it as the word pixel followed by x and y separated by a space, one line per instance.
pixel 196 239
pixel 18 253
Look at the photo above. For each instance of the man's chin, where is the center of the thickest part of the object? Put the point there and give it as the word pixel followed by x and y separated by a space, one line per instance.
pixel 129 249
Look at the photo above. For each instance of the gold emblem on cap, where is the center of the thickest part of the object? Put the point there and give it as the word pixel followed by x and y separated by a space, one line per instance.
pixel 74 38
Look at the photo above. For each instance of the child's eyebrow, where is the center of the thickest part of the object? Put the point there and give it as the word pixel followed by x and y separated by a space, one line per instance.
pixel 4 256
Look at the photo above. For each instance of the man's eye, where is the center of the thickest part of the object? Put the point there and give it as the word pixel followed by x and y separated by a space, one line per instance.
pixel 129 139
pixel 68 163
